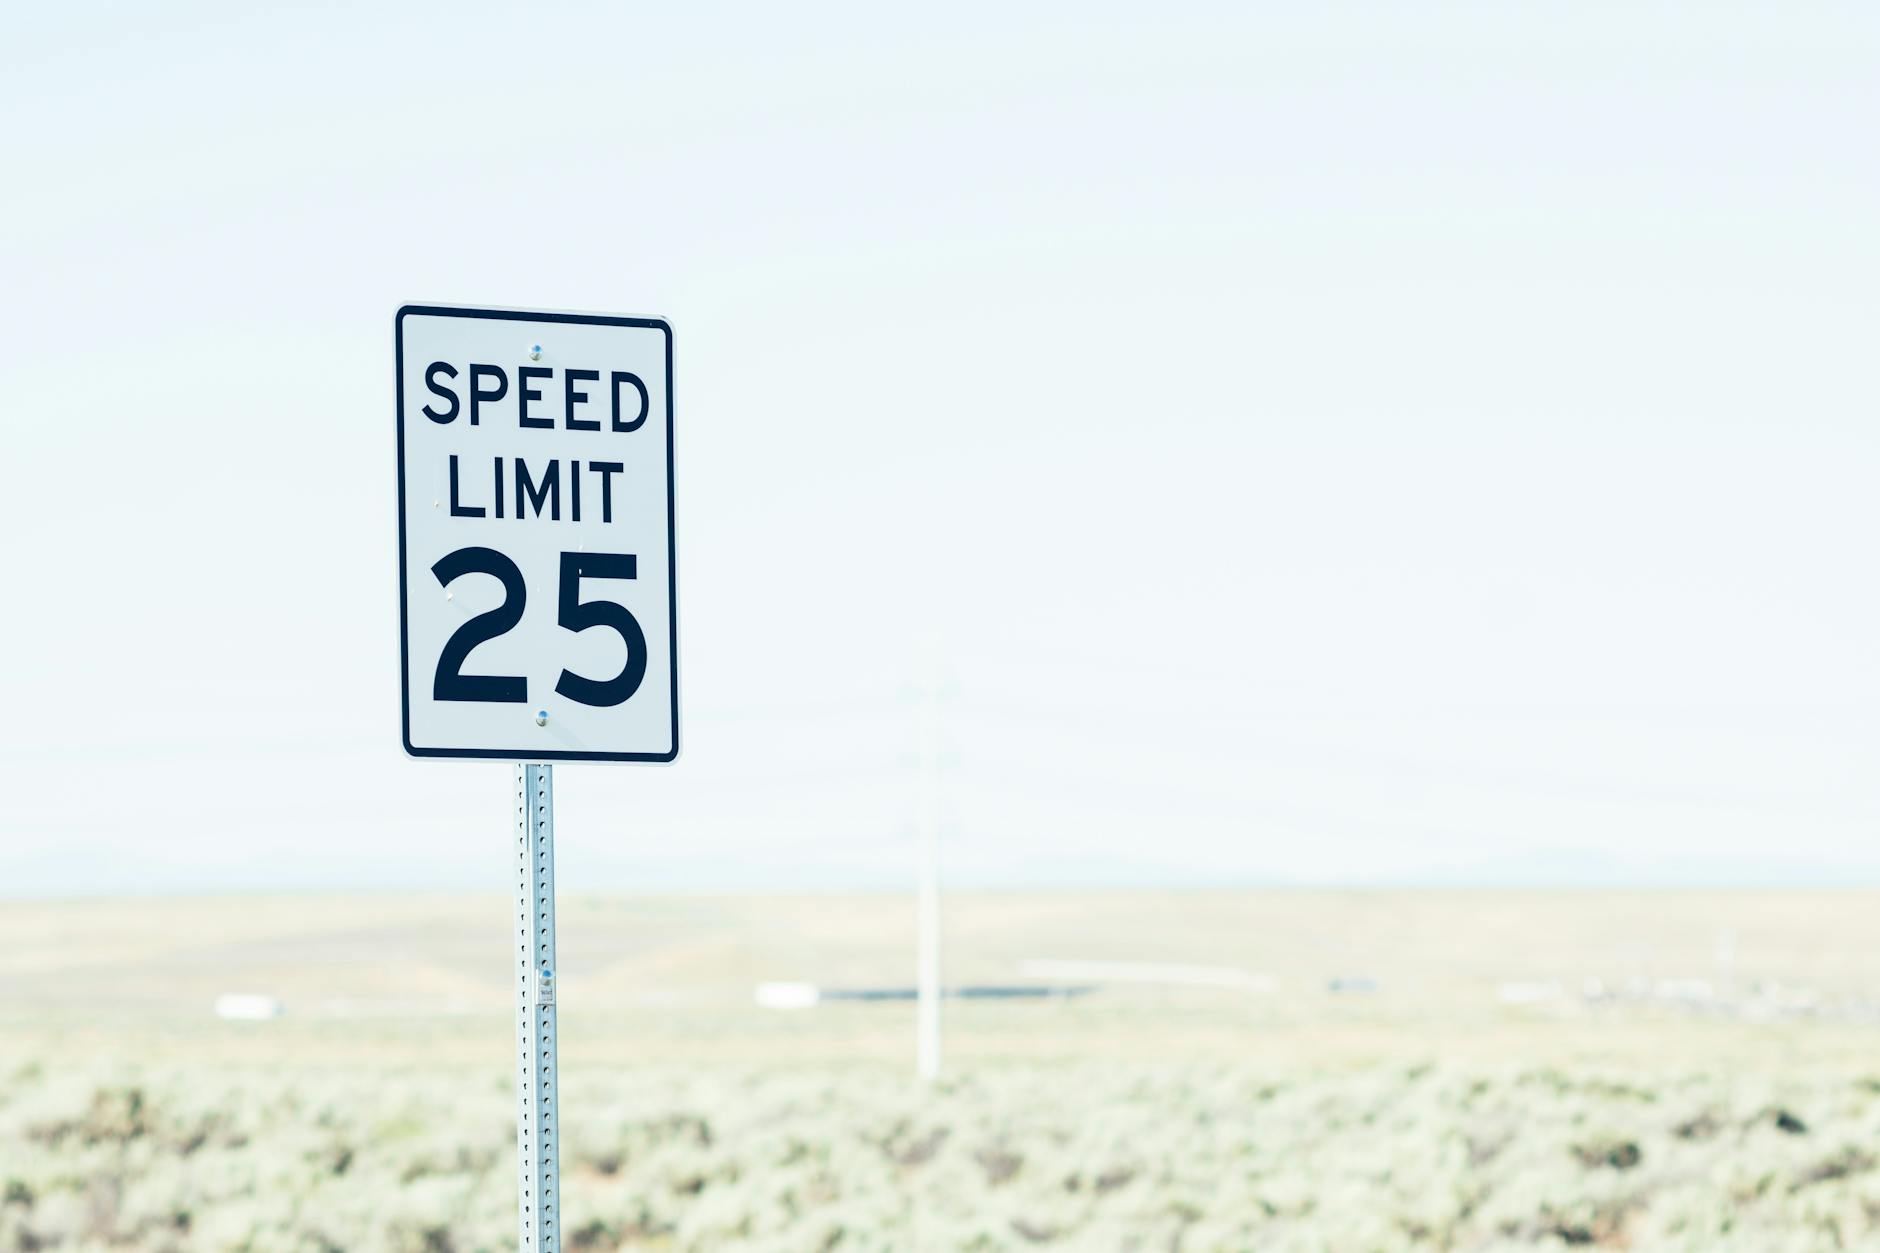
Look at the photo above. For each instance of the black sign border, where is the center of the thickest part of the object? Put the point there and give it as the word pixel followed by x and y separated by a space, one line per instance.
pixel 672 535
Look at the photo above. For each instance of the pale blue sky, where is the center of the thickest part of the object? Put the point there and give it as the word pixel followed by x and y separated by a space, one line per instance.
pixel 1332 443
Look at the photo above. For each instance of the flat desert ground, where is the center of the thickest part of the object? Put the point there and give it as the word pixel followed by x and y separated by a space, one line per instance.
pixel 1487 1070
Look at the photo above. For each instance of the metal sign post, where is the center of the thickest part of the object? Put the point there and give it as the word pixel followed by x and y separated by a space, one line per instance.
pixel 538 1125
pixel 538 613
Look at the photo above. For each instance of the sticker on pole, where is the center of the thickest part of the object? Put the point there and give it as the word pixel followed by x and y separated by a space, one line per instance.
pixel 538 595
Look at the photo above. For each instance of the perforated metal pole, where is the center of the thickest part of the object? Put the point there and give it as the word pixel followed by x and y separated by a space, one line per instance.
pixel 538 1123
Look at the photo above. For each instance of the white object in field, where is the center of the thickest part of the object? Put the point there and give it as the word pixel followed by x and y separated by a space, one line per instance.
pixel 538 1121
pixel 788 995
pixel 537 590
pixel 927 902
pixel 1687 991
pixel 1530 991
pixel 1172 974
pixel 247 1007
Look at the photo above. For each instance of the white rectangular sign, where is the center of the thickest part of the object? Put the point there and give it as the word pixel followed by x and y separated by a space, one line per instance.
pixel 537 581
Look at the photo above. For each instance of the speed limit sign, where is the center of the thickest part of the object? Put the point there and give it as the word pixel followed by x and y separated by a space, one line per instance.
pixel 537 580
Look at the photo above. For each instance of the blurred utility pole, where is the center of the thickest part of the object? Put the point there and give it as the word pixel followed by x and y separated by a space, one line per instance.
pixel 927 836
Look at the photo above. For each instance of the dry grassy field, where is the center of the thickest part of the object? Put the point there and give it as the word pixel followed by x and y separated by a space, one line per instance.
pixel 1466 1071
